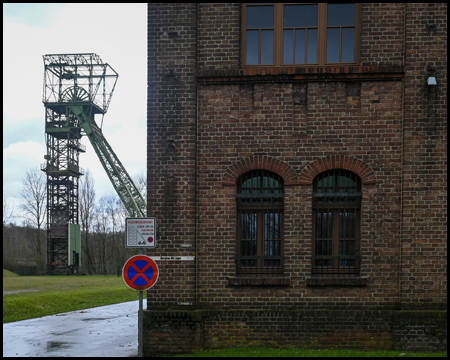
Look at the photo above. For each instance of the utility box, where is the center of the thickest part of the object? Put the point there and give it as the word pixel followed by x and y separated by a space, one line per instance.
pixel 74 248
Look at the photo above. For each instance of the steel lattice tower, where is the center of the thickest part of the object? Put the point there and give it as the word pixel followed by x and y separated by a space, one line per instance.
pixel 77 88
pixel 73 83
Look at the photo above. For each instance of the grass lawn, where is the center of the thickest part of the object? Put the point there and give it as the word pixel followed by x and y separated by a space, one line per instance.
pixel 266 352
pixel 28 297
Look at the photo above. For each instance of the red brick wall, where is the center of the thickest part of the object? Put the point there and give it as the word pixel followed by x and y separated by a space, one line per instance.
pixel 424 243
pixel 206 116
pixel 172 39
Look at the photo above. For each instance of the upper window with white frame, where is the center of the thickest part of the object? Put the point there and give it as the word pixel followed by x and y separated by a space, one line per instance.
pixel 297 34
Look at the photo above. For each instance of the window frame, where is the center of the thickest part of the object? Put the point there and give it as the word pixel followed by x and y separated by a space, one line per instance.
pixel 336 208
pixel 260 209
pixel 321 37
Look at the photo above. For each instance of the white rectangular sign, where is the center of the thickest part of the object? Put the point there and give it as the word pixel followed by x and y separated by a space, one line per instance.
pixel 140 232
pixel 186 258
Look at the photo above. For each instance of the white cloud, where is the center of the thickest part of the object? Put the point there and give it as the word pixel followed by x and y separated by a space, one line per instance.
pixel 17 160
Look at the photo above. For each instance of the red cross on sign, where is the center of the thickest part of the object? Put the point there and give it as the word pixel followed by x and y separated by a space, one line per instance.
pixel 140 272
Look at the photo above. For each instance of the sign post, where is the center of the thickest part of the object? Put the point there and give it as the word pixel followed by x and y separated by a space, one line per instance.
pixel 140 272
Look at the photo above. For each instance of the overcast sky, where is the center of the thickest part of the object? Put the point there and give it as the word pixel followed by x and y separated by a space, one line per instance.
pixel 118 34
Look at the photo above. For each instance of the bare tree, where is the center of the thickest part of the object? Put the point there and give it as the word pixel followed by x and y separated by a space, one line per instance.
pixel 34 207
pixel 103 230
pixel 140 180
pixel 8 211
pixel 86 206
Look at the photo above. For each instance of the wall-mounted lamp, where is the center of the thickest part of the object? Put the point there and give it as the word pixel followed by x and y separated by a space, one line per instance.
pixel 431 73
pixel 431 81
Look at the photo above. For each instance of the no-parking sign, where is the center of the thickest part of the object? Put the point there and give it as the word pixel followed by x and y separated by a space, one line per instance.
pixel 140 272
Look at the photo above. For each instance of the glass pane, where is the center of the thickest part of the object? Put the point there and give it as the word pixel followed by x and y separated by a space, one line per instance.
pixel 252 185
pixel 347 248
pixel 252 47
pixel 249 234
pixel 312 45
pixel 346 184
pixel 272 226
pixel 300 46
pixel 348 45
pixel 249 226
pixel 248 248
pixel 326 185
pixel 267 47
pixel 272 248
pixel 300 15
pixel 324 222
pixel 324 248
pixel 341 14
pixel 288 51
pixel 347 225
pixel 260 16
pixel 333 45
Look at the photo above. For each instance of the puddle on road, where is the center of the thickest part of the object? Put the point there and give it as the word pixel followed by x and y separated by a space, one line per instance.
pixel 65 332
pixel 57 345
pixel 99 319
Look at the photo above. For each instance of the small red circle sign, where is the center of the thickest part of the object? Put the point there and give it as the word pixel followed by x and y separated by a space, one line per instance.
pixel 140 272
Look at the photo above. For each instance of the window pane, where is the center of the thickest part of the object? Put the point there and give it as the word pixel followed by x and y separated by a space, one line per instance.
pixel 272 248
pixel 252 185
pixel 249 226
pixel 347 248
pixel 324 248
pixel 272 226
pixel 252 47
pixel 333 45
pixel 312 46
pixel 248 248
pixel 348 45
pixel 267 47
pixel 324 222
pixel 288 51
pixel 259 17
pixel 300 46
pixel 271 185
pixel 300 15
pixel 347 225
pixel 249 235
pixel 341 14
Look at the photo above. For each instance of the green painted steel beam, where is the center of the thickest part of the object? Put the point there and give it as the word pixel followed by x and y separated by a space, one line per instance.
pixel 119 177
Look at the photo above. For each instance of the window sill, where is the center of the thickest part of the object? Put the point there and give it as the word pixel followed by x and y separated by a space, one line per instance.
pixel 259 281
pixel 335 281
pixel 316 73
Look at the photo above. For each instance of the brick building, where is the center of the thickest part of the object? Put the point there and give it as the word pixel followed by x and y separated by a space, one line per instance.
pixel 298 153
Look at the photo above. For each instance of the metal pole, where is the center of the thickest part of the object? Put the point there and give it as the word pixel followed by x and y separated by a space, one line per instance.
pixel 141 318
pixel 141 324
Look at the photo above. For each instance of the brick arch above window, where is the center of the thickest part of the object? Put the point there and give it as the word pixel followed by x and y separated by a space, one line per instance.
pixel 346 162
pixel 260 162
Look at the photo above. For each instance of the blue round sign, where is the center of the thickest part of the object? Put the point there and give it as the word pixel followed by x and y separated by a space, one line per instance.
pixel 140 272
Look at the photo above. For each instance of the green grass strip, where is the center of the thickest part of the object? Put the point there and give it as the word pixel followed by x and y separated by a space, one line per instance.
pixel 54 295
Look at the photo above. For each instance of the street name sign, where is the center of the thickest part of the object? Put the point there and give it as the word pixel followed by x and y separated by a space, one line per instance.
pixel 185 258
pixel 140 232
pixel 140 272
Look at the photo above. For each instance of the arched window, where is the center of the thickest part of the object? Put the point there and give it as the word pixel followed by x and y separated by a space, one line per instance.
pixel 336 223
pixel 259 201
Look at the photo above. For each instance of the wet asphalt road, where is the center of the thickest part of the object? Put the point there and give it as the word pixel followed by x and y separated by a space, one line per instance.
pixel 102 331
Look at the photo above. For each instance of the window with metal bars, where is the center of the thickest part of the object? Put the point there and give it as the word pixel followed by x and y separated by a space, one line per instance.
pixel 260 201
pixel 336 224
